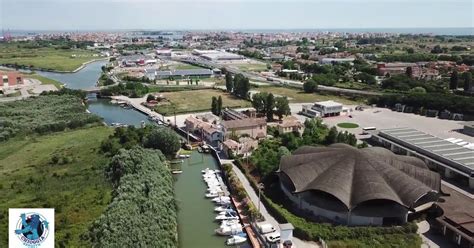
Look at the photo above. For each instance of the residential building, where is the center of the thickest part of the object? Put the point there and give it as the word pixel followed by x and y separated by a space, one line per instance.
pixel 244 146
pixel 10 78
pixel 290 124
pixel 211 133
pixel 252 127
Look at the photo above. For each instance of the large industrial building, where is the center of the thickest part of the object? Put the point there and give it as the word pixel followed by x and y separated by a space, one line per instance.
pixel 322 109
pixel 350 186
pixel 454 160
pixel 215 55
pixel 185 73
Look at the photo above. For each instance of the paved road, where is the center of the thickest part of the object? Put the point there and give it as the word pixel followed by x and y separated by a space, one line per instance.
pixel 268 218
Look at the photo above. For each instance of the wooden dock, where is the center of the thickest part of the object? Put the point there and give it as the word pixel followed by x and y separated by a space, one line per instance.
pixel 246 222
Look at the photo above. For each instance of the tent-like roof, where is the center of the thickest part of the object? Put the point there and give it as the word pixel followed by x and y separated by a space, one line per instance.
pixel 356 175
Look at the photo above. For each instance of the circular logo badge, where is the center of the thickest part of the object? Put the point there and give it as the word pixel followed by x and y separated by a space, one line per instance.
pixel 32 229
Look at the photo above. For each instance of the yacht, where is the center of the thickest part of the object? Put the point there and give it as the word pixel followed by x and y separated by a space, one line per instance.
pixel 235 240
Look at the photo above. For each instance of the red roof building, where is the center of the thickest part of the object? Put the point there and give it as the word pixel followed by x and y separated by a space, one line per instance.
pixel 10 79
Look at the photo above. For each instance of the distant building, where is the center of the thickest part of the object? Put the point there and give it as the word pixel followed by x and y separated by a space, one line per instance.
pixel 10 78
pixel 325 61
pixel 252 127
pixel 163 52
pixel 215 55
pixel 396 68
pixel 155 74
pixel 323 109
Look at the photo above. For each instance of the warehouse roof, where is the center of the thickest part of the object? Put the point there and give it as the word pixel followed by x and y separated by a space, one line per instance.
pixel 356 175
pixel 451 154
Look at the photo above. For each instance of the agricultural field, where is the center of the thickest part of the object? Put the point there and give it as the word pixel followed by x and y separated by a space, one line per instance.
pixel 197 101
pixel 298 96
pixel 256 67
pixel 47 58
pixel 62 170
pixel 184 66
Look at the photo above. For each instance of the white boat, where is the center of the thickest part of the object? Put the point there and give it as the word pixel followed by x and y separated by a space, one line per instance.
pixel 223 208
pixel 184 156
pixel 235 240
pixel 221 198
pixel 229 222
pixel 211 195
pixel 229 230
pixel 177 172
pixel 227 216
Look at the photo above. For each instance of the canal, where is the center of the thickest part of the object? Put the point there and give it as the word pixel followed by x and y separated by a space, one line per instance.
pixel 195 213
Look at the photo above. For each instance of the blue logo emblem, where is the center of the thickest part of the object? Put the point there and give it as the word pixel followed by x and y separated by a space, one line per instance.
pixel 32 229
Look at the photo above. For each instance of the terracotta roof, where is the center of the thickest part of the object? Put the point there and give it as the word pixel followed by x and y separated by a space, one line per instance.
pixel 230 143
pixel 290 121
pixel 356 175
pixel 249 122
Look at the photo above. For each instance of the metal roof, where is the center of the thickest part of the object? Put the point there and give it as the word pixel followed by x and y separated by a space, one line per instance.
pixel 436 148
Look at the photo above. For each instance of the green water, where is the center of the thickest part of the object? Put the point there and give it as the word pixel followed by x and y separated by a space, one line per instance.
pixel 196 215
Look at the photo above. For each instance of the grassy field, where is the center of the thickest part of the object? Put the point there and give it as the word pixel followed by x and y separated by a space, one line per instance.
pixel 74 186
pixel 347 125
pixel 184 66
pixel 45 80
pixel 197 101
pixel 298 96
pixel 44 58
pixel 251 67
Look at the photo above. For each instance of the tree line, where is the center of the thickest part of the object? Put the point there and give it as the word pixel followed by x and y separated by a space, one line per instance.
pixel 269 105
pixel 238 85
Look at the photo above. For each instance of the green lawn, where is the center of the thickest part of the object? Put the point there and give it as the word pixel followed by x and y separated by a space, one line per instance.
pixel 184 66
pixel 197 101
pixel 298 96
pixel 251 67
pixel 347 125
pixel 45 80
pixel 45 58
pixel 75 186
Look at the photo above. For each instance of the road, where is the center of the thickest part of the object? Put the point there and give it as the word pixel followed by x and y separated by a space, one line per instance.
pixel 268 218
pixel 275 80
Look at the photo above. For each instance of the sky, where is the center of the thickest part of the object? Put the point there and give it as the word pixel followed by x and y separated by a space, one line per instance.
pixel 233 14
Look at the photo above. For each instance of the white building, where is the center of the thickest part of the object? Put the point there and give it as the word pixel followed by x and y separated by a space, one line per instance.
pixel 323 109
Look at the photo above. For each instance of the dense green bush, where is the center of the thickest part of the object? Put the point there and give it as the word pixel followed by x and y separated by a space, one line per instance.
pixel 143 212
pixel 43 114
pixel 130 89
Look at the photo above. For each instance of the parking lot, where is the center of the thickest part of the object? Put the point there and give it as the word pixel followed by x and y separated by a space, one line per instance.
pixel 382 118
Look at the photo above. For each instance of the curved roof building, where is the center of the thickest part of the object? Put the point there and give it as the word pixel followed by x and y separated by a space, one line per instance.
pixel 370 186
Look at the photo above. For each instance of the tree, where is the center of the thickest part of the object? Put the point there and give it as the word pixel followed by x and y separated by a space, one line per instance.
pixel 467 76
pixel 418 90
pixel 331 138
pixel 310 86
pixel 259 102
pixel 219 105
pixel 163 139
pixel 241 86
pixel 150 97
pixel 453 81
pixel 270 104
pixel 282 107
pixel 437 49
pixel 365 78
pixel 214 105
pixel 229 84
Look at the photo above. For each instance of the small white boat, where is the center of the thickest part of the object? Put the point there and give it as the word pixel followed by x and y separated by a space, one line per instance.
pixel 229 230
pixel 177 172
pixel 229 222
pixel 227 216
pixel 235 240
pixel 223 208
pixel 221 198
pixel 184 156
pixel 211 195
